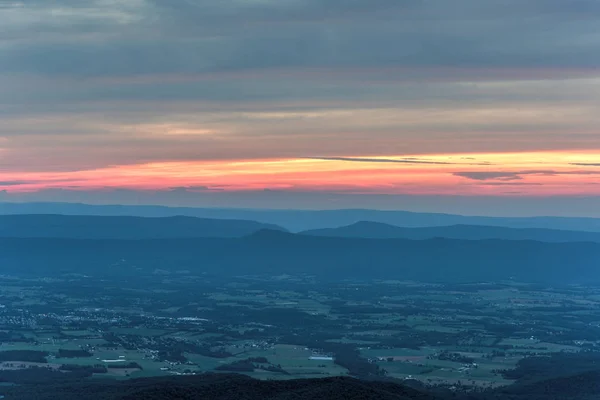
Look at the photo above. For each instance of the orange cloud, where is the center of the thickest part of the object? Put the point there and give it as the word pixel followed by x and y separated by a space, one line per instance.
pixel 533 174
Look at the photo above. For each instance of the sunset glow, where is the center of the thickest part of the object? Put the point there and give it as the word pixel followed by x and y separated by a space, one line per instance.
pixel 174 102
pixel 532 173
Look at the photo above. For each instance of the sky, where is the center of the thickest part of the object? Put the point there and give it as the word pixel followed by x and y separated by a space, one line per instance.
pixel 412 104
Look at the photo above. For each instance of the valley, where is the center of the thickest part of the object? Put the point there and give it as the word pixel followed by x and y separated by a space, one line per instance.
pixel 467 336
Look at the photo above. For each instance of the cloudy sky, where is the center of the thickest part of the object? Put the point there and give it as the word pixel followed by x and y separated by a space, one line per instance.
pixel 277 101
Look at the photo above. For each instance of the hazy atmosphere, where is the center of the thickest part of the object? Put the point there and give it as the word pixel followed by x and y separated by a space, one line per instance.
pixel 300 199
pixel 303 104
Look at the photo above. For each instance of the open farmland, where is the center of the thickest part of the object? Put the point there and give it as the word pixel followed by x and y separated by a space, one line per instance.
pixel 468 335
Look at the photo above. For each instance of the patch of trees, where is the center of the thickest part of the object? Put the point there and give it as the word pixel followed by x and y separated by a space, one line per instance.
pixel 62 353
pixel 91 369
pixel 129 365
pixel 248 334
pixel 260 360
pixel 584 386
pixel 218 353
pixel 173 350
pixel 361 309
pixel 345 355
pixel 14 337
pixel 112 339
pixel 274 368
pixel 270 316
pixel 171 356
pixel 40 375
pixel 494 354
pixel 24 356
pixel 533 369
pixel 572 332
pixel 499 330
pixel 237 366
pixel 251 364
pixel 416 339
pixel 357 365
pixel 455 357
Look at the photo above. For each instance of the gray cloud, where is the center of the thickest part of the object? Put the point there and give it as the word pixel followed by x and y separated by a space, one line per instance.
pixel 511 183
pixel 15 183
pixel 483 176
pixel 82 69
pixel 516 175
pixel 195 189
pixel 381 160
pixel 208 36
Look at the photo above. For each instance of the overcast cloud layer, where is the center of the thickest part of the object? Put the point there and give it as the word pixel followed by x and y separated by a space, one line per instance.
pixel 88 84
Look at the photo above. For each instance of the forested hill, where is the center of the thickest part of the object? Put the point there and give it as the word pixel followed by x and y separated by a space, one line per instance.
pixel 124 227
pixel 218 387
pixel 275 253
pixel 211 386
pixel 377 230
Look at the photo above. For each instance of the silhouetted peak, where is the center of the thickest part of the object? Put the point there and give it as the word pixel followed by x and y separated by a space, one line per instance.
pixel 125 227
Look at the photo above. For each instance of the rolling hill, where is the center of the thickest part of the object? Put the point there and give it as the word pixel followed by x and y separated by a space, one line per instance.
pixel 124 227
pixel 377 230
pixel 269 253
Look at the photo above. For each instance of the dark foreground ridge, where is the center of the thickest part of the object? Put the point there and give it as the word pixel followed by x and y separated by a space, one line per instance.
pixel 210 386
pixel 218 387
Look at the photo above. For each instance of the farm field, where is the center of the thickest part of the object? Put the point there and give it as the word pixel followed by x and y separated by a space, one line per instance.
pixel 469 335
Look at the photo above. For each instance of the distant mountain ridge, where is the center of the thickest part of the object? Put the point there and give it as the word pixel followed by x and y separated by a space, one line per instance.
pixel 378 230
pixel 269 253
pixel 302 220
pixel 128 227
pixel 124 227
